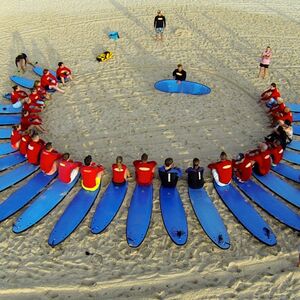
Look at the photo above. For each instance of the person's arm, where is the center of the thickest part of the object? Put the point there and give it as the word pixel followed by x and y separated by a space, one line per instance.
pixel 127 174
pixel 174 73
pixel 211 165
pixel 178 171
pixel 164 20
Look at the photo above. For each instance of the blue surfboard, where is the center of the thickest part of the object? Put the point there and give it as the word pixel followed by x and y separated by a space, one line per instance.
pixel 9 109
pixel 292 157
pixel 246 214
pixel 173 215
pixel 185 87
pixel 10 119
pixel 108 207
pixel 296 129
pixel 295 145
pixel 280 187
pixel 209 218
pixel 39 71
pixel 24 194
pixel 270 204
pixel 5 133
pixel 296 117
pixel 139 215
pixel 7 96
pixel 294 107
pixel 11 160
pixel 6 148
pixel 287 171
pixel 10 178
pixel 43 205
pixel 72 216
pixel 22 81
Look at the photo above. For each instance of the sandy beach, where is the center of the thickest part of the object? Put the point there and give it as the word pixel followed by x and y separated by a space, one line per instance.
pixel 111 108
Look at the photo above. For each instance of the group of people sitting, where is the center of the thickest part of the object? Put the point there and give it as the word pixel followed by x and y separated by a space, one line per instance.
pixel 34 103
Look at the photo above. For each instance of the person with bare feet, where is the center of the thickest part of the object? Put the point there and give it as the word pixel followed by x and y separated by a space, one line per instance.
pixel 63 73
pixel 265 62
pixel 159 25
pixel 22 61
pixel 49 82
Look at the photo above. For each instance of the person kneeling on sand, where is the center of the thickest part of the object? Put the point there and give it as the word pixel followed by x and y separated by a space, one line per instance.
pixel 91 174
pixel 144 170
pixel 49 159
pixel 49 82
pixel 169 174
pixel 222 170
pixel 195 175
pixel 63 73
pixel 242 168
pixel 120 172
pixel 179 74
pixel 68 169
pixel 261 159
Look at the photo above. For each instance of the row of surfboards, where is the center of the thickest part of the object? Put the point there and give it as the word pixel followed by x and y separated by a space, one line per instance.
pixel 43 193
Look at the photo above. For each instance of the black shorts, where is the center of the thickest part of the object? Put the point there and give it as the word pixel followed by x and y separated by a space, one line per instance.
pixel 264 66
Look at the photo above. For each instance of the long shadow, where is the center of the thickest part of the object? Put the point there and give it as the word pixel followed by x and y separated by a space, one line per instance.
pixel 39 55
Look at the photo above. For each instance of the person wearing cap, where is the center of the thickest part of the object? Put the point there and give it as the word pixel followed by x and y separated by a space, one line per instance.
pixel 242 168
pixel 159 25
pixel 222 170
pixel 179 74
pixel 261 159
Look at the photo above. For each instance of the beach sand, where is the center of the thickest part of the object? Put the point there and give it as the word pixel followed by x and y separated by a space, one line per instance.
pixel 111 109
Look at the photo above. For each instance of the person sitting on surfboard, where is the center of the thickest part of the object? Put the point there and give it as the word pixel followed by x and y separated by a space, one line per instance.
pixel 63 73
pixel 261 159
pixel 169 174
pixel 285 115
pixel 242 167
pixel 35 97
pixel 91 174
pixel 32 107
pixel 16 136
pixel 68 169
pixel 144 170
pixel 278 107
pixel 120 172
pixel 179 74
pixel 195 175
pixel 49 81
pixel 278 134
pixel 288 128
pixel 159 25
pixel 49 159
pixel 43 94
pixel 270 93
pixel 276 152
pixel 22 61
pixel 25 140
pixel 32 121
pixel 34 149
pixel 222 170
pixel 18 96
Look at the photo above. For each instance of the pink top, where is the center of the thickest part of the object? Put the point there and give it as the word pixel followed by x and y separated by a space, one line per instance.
pixel 266 57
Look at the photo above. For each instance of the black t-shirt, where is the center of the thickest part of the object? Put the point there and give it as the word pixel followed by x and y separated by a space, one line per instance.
pixel 19 57
pixel 195 177
pixel 179 75
pixel 168 179
pixel 159 22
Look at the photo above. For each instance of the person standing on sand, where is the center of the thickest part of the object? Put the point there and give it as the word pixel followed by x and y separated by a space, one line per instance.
pixel 159 25
pixel 265 62
pixel 21 62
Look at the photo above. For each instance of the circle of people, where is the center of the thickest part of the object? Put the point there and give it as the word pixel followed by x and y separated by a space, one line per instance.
pixel 26 139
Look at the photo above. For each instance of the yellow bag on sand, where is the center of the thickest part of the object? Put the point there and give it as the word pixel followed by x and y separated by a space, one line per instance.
pixel 104 56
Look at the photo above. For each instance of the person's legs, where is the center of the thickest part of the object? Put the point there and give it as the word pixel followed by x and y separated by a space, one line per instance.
pixel 55 87
pixel 261 72
pixel 265 73
pixel 216 177
pixel 18 104
pixel 62 79
pixel 23 65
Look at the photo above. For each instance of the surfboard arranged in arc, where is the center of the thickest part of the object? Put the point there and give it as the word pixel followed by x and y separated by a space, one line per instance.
pixel 38 70
pixel 246 214
pixel 73 215
pixel 5 133
pixel 291 156
pixel 43 205
pixel 139 215
pixel 22 196
pixel 287 171
pixel 296 117
pixel 108 207
pixel 173 215
pixel 9 109
pixel 209 217
pixel 185 87
pixel 7 119
pixel 280 187
pixel 22 81
pixel 294 107
pixel 6 148
pixel 295 145
pixel 270 204
pixel 11 160
pixel 15 175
